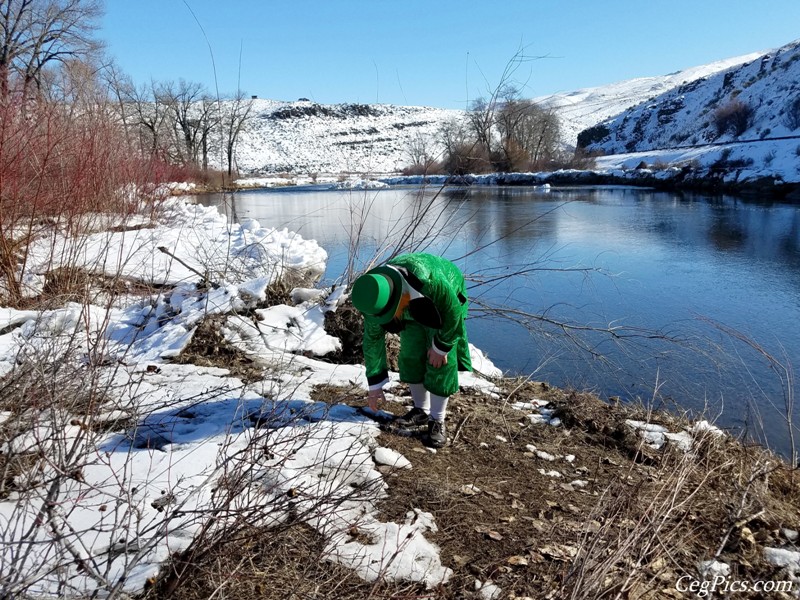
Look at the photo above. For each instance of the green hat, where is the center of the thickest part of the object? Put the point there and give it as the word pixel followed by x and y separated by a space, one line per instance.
pixel 377 293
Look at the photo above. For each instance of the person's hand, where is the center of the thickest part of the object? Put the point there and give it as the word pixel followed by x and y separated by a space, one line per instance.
pixel 372 399
pixel 435 359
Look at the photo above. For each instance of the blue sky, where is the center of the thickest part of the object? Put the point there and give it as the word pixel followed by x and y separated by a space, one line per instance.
pixel 434 53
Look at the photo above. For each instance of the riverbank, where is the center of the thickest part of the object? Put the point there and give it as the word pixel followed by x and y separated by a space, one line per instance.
pixel 708 181
pixel 715 180
pixel 190 429
pixel 543 493
pixel 766 167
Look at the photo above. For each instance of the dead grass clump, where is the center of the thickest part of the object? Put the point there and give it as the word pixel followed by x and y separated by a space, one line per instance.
pixel 209 348
pixel 264 564
pixel 347 324
pixel 334 394
pixel 77 284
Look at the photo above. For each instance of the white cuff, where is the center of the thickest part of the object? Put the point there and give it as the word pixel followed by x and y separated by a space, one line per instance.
pixel 435 349
pixel 378 386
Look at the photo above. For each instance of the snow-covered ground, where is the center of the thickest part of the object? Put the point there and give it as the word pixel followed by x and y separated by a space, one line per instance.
pixel 119 489
pixel 304 137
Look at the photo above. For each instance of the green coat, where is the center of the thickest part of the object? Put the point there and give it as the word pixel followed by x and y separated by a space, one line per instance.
pixel 440 323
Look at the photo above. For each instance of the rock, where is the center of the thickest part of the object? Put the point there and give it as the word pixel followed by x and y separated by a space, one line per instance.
pixel 487 590
pixel 470 490
pixel 789 534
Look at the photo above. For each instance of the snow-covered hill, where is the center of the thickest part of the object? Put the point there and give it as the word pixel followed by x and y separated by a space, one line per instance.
pixel 304 137
pixel 584 108
pixel 758 100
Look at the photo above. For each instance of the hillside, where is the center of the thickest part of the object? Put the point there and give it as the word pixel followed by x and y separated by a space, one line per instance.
pixel 306 137
pixel 759 100
pixel 581 109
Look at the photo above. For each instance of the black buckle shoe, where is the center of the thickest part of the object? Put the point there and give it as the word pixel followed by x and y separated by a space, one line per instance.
pixel 437 434
pixel 416 417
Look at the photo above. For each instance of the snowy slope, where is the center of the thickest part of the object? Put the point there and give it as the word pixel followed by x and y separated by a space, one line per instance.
pixel 586 107
pixel 768 86
pixel 305 137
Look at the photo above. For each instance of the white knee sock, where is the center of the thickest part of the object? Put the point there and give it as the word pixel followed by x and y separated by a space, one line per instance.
pixel 420 396
pixel 438 407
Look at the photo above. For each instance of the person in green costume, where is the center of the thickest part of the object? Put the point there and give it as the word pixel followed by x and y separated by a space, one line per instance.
pixel 423 298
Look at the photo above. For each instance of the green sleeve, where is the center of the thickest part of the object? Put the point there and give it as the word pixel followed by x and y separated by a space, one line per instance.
pixel 374 345
pixel 449 306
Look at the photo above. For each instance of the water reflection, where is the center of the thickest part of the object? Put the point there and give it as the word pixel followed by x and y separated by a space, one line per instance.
pixel 679 271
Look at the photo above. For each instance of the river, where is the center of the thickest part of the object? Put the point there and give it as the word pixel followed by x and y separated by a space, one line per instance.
pixel 676 300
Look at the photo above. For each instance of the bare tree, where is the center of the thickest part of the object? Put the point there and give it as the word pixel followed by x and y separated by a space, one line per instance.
pixel 37 34
pixel 179 100
pixel 144 111
pixel 187 104
pixel 235 115
pixel 528 133
pixel 481 119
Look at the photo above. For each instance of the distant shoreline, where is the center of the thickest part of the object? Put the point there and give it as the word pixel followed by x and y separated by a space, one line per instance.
pixel 701 180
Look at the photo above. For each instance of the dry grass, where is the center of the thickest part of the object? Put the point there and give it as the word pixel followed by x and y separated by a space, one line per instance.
pixel 643 519
pixel 209 348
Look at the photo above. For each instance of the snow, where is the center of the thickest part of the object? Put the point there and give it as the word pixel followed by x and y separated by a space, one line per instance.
pixel 656 436
pixel 663 121
pixel 710 569
pixel 679 127
pixel 488 590
pixel 783 557
pixel 581 109
pixel 174 435
pixel 391 458
pixel 195 242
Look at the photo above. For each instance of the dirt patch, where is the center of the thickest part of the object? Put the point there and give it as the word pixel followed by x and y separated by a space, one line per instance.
pixel 73 284
pixel 586 509
pixel 334 394
pixel 209 348
pixel 263 565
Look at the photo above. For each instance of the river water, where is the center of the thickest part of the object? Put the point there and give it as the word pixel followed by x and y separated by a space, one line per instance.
pixel 674 299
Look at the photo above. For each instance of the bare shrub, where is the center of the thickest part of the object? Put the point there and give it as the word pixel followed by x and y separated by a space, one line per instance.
pixel 59 166
pixel 735 118
pixel 426 167
pixel 467 158
pixel 582 160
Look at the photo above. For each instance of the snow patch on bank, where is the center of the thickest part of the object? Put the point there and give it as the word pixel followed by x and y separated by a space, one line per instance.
pixel 175 435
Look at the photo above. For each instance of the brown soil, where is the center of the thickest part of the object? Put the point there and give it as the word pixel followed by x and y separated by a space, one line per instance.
pixel 643 519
